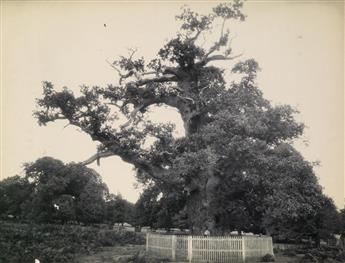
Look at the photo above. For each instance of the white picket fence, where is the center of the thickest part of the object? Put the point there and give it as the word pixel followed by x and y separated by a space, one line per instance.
pixel 230 249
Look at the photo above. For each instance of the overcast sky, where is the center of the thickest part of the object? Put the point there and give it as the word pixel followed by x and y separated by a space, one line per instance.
pixel 299 47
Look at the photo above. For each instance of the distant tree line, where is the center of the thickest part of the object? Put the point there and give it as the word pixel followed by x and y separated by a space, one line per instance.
pixel 53 192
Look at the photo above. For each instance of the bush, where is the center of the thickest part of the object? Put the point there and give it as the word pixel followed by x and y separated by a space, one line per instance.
pixel 340 256
pixel 276 250
pixel 56 243
pixel 324 254
pixel 268 258
pixel 309 258
pixel 289 253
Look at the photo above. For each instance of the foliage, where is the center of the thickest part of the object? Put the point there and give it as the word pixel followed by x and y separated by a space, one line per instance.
pixel 321 224
pixel 342 221
pixel 289 253
pixel 56 243
pixel 322 254
pixel 309 258
pixel 234 168
pixel 91 204
pixel 325 254
pixel 13 194
pixel 78 190
pixel 146 208
pixel 268 258
pixel 52 191
pixel 159 211
pixel 119 210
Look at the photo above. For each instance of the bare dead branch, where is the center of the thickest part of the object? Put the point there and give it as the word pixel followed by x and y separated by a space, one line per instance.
pixel 155 171
pixel 218 57
pixel 217 45
pixel 97 156
pixel 193 39
pixel 222 30
pixel 65 126
pixel 187 99
pixel 114 104
pixel 122 76
pixel 149 73
pixel 132 52
pixel 163 78
pixel 133 115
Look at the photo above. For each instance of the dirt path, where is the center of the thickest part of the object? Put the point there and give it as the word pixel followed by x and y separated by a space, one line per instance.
pixel 116 254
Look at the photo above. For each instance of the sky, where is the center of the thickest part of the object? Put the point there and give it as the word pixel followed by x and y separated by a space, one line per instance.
pixel 299 46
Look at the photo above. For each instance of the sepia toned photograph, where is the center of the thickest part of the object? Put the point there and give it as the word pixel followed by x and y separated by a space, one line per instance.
pixel 172 131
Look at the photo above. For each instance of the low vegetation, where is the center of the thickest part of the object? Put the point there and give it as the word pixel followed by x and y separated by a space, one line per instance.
pixel 323 254
pixel 268 258
pixel 57 243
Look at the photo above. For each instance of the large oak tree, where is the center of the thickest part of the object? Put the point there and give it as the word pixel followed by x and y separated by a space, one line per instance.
pixel 235 160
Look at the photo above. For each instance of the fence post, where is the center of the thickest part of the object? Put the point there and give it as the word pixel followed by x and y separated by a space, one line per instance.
pixel 147 242
pixel 271 245
pixel 173 247
pixel 243 249
pixel 190 248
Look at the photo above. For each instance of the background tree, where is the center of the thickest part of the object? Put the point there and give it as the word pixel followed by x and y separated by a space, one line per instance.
pixel 146 208
pixel 236 143
pixel 342 220
pixel 158 210
pixel 327 221
pixel 119 210
pixel 14 191
pixel 65 208
pixel 90 204
pixel 63 192
pixel 342 227
pixel 51 191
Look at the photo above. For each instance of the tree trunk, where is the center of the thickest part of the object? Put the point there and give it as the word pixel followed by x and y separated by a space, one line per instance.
pixel 201 206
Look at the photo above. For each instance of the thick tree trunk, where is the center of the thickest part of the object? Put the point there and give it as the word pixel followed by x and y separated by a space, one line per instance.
pixel 202 207
pixel 201 202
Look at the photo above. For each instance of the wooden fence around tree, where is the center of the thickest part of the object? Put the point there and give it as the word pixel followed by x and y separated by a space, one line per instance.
pixel 208 249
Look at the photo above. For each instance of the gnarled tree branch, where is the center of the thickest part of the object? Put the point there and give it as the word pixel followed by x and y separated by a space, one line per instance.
pixel 156 172
pixel 97 156
pixel 161 79
pixel 218 57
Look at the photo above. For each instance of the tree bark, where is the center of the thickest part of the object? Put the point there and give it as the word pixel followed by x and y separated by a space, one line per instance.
pixel 201 202
pixel 201 205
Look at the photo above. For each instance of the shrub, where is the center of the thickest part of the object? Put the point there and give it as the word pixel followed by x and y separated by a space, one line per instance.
pixel 324 254
pixel 268 258
pixel 308 258
pixel 340 256
pixel 289 253
pixel 276 250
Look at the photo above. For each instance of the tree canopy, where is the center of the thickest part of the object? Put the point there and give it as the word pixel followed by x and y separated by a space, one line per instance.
pixel 69 192
pixel 51 191
pixel 234 168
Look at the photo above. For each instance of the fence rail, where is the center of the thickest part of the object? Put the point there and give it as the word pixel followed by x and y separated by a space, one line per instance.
pixel 208 249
